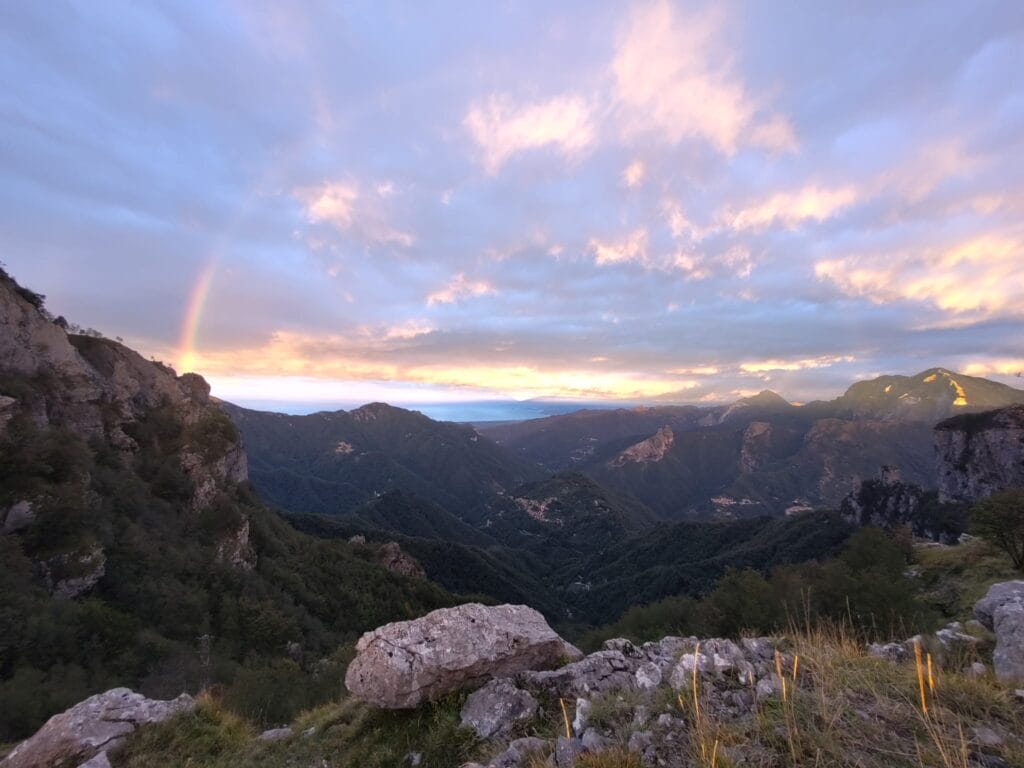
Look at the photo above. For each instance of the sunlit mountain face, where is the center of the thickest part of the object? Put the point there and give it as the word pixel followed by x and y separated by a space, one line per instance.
pixel 319 205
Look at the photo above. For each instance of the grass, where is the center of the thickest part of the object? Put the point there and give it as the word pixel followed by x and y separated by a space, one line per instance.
pixel 953 579
pixel 347 734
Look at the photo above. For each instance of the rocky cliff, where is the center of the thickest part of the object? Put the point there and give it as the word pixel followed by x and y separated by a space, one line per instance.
pixel 980 454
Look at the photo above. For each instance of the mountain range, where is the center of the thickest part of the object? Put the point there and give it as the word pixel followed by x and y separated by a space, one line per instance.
pixel 154 536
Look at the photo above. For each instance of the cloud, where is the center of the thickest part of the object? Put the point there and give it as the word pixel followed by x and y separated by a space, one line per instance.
pixel 502 128
pixel 674 77
pixel 634 173
pixel 791 209
pixel 343 206
pixel 631 248
pixel 975 280
pixel 459 288
pixel 767 366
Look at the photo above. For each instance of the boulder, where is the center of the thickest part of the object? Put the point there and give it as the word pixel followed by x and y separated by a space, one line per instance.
pixel 495 709
pixel 1001 610
pixel 403 664
pixel 91 727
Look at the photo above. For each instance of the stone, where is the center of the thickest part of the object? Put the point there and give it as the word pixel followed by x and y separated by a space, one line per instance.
pixel 952 637
pixel 977 669
pixel 415 759
pixel 566 751
pixel 579 722
pixel 97 724
pixel 648 676
pixel 518 752
pixel 639 741
pixel 593 741
pixel 766 688
pixel 986 737
pixel 275 734
pixel 19 515
pixel 600 671
pixel 497 708
pixel 403 664
pixel 1001 610
pixel 99 761
pixel 895 652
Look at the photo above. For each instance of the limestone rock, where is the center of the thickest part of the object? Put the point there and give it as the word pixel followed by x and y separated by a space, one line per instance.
pixel 1002 611
pixel 495 709
pixel 71 574
pixel 518 752
pixel 99 761
pixel 403 664
pixel 980 454
pixel 96 725
pixel 276 734
pixel 600 671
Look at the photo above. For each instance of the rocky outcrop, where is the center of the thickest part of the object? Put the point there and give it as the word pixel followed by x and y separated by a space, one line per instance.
pixel 980 454
pixel 885 501
pixel 757 441
pixel 71 574
pixel 1001 610
pixel 236 549
pixel 653 448
pixel 403 664
pixel 97 387
pixel 91 728
pixel 17 516
pixel 397 560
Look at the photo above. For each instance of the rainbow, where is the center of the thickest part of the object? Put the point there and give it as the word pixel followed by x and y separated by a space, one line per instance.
pixel 187 357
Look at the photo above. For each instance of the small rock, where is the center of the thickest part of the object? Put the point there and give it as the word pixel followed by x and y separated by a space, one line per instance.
pixel 648 676
pixel 516 753
pixel 593 741
pixel 415 759
pixel 977 669
pixel 495 709
pixel 309 733
pixel 766 688
pixel 986 737
pixel 99 761
pixel 566 751
pixel 641 715
pixel 640 741
pixel 579 723
pixel 275 734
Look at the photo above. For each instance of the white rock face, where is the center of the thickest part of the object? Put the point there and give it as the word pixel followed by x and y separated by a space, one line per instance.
pixel 980 454
pixel 652 449
pixel 91 728
pixel 401 665
pixel 495 709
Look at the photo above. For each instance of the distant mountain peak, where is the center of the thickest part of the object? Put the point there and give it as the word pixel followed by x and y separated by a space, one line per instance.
pixel 766 398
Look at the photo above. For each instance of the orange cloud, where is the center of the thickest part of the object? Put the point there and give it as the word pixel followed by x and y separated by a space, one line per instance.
pixel 502 128
pixel 459 288
pixel 774 364
pixel 633 247
pixel 790 209
pixel 974 280
pixel 672 76
pixel 337 358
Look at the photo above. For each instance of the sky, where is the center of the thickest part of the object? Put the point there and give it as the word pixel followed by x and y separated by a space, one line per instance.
pixel 444 201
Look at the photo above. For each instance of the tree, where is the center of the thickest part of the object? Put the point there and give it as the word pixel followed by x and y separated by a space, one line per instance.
pixel 1000 520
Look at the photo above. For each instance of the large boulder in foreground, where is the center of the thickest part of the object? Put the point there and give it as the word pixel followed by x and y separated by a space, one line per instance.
pixel 402 665
pixel 92 727
pixel 1002 611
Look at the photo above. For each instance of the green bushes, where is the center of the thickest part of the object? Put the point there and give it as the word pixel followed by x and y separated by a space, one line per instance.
pixel 999 519
pixel 864 588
